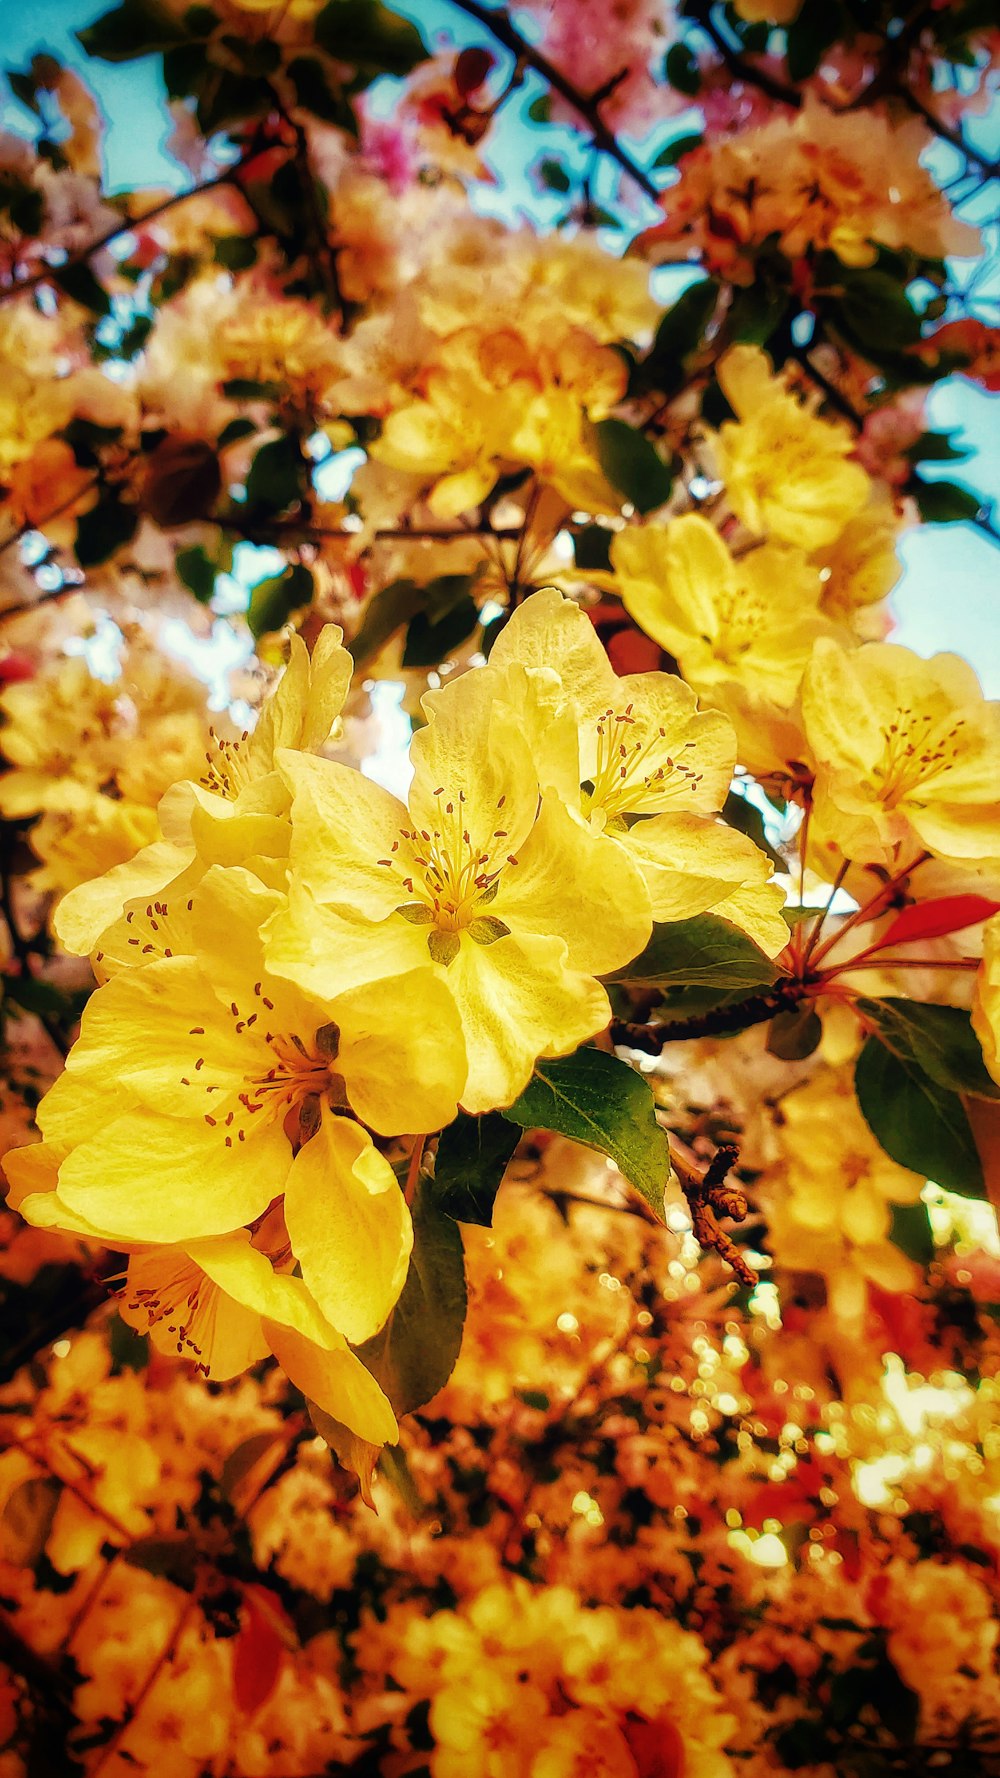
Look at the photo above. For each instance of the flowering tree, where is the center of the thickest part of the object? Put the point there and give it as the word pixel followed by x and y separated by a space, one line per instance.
pixel 599 1134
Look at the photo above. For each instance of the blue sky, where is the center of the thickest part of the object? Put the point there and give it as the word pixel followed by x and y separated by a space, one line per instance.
pixel 949 596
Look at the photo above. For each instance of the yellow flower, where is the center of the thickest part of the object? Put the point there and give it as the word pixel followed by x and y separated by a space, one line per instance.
pixel 907 750
pixel 481 885
pixel 832 1197
pixel 861 567
pixel 785 469
pixel 752 621
pixel 201 1089
pixel 238 814
pixel 641 763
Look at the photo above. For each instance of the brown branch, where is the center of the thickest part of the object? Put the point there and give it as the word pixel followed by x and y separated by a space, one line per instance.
pixel 745 71
pixel 51 273
pixel 709 1198
pixel 757 1009
pixel 498 22
pixel 953 137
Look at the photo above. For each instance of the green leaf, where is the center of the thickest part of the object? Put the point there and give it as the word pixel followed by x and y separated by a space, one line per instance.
pixel 681 70
pixel 632 465
pixel 197 572
pixel 272 601
pixel 386 613
pixel 818 25
pixel 755 312
pixel 472 1158
pixel 314 93
pixel 247 389
pixel 237 253
pixel 705 952
pixel 275 479
pixel 552 174
pixel 104 529
pixel 78 282
pixel 935 447
pixel 919 1123
pixel 540 109
pixel 679 334
pixel 369 36
pixel 672 153
pixel 876 311
pixel 230 98
pixel 938 1039
pixel 910 1231
pixel 242 1460
pixel 592 547
pixel 234 431
pixel 414 1354
pixel 131 30
pixel 795 1034
pixel 600 1101
pixel 430 640
pixel 944 503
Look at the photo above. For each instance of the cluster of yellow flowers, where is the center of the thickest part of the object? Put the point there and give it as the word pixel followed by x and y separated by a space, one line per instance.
pixel 258 958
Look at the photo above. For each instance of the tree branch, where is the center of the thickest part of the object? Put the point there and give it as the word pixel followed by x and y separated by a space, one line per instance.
pixel 498 22
pixel 757 1009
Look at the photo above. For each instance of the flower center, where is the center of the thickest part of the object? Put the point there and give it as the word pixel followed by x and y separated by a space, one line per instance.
pixel 918 749
pixel 635 773
pixel 228 770
pixel 451 877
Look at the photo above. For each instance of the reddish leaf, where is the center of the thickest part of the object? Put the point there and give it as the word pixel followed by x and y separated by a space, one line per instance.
pixel 471 69
pixel 656 1747
pixel 934 919
pixel 259 1645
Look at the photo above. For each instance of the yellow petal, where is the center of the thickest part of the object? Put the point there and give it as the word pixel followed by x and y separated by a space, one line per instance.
pixel 349 1227
pixel 402 1076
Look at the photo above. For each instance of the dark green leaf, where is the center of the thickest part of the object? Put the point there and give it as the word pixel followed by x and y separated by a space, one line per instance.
pixel 185 69
pixel 944 503
pixel 183 480
pixel 229 98
pixel 131 30
pixel 129 1348
pixel 235 430
pixel 681 70
pixel 104 529
pixel 472 1158
pixel 25 88
pixel 247 389
pixel 315 94
pixel 78 281
pixel 678 335
pixel 876 311
pixel 597 1099
pixel 671 154
pixel 197 572
pixel 369 36
pixel 910 1231
pixel 935 447
pixel 632 465
pixel 755 312
pixel 540 109
pixel 553 175
pixel 592 547
pixel 259 56
pixel 705 952
pixel 938 1039
pixel 242 1460
pixel 386 613
pixel 794 1034
pixel 272 601
pixel 919 1123
pixel 818 25
pixel 235 252
pixel 276 474
pixel 170 1558
pixel 429 641
pixel 415 1353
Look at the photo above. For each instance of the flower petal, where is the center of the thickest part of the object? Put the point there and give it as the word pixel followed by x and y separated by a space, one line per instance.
pixel 349 1227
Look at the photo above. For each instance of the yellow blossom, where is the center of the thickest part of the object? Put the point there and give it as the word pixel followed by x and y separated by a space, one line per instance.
pixel 785 469
pixel 481 886
pixel 906 749
pixel 646 768
pixel 752 620
pixel 238 813
pixel 230 1090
